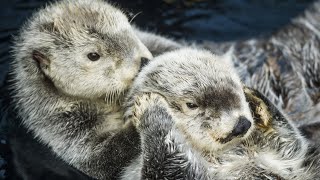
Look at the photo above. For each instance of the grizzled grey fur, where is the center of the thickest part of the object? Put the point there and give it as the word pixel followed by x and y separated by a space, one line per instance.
pixel 285 67
pixel 172 145
pixel 73 63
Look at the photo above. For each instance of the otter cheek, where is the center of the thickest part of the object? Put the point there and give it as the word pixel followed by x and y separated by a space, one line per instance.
pixel 127 75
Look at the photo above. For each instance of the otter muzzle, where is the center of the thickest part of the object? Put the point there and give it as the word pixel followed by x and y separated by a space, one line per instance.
pixel 239 130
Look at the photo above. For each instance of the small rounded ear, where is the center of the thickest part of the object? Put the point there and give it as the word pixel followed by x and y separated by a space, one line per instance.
pixel 227 57
pixel 42 60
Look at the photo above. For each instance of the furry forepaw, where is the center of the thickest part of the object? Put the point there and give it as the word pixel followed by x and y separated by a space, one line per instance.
pixel 260 110
pixel 144 102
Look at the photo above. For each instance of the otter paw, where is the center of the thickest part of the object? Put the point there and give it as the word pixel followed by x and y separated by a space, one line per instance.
pixel 260 110
pixel 144 102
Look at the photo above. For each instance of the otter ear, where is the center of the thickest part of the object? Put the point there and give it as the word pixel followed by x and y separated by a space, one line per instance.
pixel 42 60
pixel 227 57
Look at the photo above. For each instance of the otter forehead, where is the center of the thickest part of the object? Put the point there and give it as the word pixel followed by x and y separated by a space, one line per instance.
pixel 191 72
pixel 186 63
pixel 85 23
pixel 85 12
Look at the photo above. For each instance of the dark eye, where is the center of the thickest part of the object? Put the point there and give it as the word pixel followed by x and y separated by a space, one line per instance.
pixel 192 106
pixel 93 56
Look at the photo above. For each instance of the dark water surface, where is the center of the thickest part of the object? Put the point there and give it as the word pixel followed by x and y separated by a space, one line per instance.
pixel 196 20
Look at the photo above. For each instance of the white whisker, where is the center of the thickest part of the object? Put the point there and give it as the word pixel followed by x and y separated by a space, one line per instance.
pixel 135 16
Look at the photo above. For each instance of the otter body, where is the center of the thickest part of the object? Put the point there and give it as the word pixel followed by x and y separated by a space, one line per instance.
pixel 177 137
pixel 73 63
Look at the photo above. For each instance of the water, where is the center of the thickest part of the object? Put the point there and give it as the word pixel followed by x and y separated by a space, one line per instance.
pixel 194 20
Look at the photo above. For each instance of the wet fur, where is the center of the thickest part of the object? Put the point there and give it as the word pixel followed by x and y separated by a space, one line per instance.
pixel 191 75
pixel 186 75
pixel 284 67
pixel 241 49
pixel 274 150
pixel 69 103
pixel 157 44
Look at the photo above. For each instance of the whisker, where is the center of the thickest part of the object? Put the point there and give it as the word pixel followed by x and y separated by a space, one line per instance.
pixel 135 16
pixel 115 96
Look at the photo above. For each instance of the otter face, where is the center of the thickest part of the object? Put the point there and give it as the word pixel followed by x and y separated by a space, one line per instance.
pixel 212 118
pixel 205 96
pixel 86 48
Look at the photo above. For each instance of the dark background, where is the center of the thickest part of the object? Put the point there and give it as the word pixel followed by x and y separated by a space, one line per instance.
pixel 218 20
pixel 194 20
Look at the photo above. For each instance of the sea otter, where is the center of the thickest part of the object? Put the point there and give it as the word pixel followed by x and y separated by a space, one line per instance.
pixel 194 119
pixel 73 63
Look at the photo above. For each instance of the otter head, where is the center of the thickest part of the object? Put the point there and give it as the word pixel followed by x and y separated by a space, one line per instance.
pixel 87 49
pixel 205 96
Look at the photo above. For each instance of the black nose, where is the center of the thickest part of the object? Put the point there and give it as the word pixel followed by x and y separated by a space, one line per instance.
pixel 144 62
pixel 242 126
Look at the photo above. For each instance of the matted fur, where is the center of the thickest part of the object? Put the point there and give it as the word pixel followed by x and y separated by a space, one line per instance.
pixel 171 149
pixel 284 66
pixel 68 102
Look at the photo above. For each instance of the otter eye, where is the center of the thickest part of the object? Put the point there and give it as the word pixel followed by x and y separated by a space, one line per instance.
pixel 93 56
pixel 192 106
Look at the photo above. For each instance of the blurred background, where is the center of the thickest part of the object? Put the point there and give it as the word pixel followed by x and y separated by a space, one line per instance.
pixel 192 20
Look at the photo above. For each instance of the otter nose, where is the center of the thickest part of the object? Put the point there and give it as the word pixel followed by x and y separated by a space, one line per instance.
pixel 144 62
pixel 241 127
